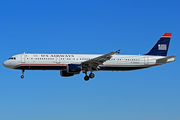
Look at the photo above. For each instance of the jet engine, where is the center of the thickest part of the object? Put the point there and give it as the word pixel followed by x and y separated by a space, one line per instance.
pixel 65 74
pixel 71 70
pixel 74 68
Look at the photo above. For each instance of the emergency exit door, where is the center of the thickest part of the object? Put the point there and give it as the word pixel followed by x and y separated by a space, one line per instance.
pixel 57 59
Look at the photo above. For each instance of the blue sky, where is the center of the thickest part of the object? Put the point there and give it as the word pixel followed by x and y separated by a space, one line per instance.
pixel 92 27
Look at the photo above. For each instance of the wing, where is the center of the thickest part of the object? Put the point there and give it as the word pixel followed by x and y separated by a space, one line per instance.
pixel 95 62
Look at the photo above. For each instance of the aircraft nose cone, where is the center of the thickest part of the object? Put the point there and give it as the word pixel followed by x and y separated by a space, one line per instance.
pixel 8 64
pixel 5 64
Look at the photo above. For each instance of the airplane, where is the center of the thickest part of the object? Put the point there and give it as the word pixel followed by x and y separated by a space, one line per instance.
pixel 72 64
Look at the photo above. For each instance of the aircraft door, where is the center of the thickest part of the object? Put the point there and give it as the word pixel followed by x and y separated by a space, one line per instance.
pixel 23 58
pixel 57 59
pixel 146 60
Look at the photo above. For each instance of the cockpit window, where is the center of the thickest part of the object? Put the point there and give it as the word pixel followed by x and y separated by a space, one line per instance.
pixel 12 58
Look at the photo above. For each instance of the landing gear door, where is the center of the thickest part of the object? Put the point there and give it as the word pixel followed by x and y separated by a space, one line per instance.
pixel 146 60
pixel 23 58
pixel 57 59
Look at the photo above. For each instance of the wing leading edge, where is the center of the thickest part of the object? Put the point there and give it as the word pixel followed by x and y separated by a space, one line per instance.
pixel 95 62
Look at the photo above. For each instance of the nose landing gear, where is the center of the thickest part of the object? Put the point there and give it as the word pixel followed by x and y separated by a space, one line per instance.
pixel 22 76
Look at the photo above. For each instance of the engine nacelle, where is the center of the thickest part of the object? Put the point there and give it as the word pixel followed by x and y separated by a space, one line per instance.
pixel 65 74
pixel 74 68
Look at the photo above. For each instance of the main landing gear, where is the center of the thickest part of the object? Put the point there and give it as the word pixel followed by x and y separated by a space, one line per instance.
pixel 91 75
pixel 22 76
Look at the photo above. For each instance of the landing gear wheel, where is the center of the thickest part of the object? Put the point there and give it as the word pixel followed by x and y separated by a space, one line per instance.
pixel 86 78
pixel 91 75
pixel 22 76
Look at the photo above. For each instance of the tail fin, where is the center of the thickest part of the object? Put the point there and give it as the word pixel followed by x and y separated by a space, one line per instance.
pixel 161 47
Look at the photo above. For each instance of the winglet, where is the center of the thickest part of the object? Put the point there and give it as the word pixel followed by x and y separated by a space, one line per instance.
pixel 118 51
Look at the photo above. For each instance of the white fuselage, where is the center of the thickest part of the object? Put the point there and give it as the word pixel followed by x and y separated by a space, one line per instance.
pixel 60 61
pixel 71 64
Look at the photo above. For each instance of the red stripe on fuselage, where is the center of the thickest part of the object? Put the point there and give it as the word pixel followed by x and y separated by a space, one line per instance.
pixel 107 65
pixel 39 64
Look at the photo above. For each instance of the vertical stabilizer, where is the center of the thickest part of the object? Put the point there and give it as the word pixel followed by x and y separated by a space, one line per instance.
pixel 161 47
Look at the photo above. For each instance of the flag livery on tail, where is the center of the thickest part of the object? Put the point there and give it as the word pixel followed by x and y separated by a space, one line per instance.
pixel 161 47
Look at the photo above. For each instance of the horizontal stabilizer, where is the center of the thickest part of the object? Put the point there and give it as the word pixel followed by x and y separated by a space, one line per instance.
pixel 166 59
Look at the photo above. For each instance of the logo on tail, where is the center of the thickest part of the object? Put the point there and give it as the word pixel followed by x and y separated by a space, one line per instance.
pixel 161 47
